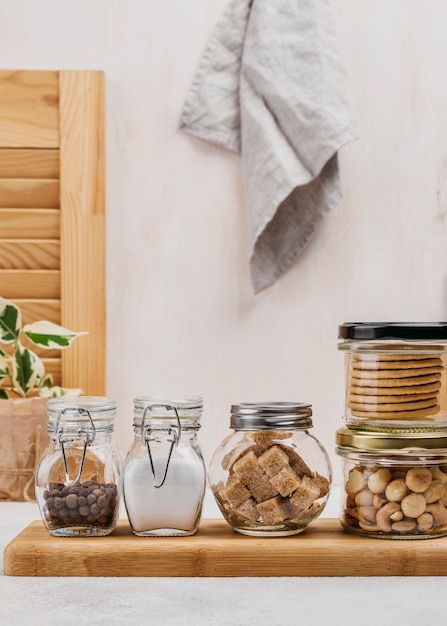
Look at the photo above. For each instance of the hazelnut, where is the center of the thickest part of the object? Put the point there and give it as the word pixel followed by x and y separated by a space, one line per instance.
pixel 396 490
pixel 413 505
pixel 435 492
pixel 364 498
pixel 378 481
pixel 356 481
pixel 425 521
pixel 418 479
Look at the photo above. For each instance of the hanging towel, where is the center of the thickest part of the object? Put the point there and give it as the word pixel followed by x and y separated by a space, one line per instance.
pixel 272 87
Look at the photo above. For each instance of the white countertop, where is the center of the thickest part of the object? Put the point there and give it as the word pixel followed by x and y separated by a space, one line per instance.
pixel 211 601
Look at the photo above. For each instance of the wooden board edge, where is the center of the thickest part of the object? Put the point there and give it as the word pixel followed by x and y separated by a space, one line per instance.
pixel 324 550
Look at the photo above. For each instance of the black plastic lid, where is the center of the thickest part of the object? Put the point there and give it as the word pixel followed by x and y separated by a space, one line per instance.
pixel 393 330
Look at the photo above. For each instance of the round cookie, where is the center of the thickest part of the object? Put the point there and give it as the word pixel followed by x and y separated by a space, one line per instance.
pixel 387 374
pixel 393 357
pixel 394 391
pixel 398 414
pixel 396 382
pixel 382 399
pixel 388 408
pixel 396 365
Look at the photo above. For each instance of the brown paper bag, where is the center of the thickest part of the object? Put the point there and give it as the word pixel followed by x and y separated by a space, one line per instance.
pixel 23 438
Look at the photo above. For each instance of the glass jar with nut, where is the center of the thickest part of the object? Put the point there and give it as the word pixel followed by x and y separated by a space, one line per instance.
pixel 271 477
pixel 395 484
pixel 396 374
pixel 78 478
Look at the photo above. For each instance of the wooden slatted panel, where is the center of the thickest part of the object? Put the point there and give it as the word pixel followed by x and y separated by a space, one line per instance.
pixel 29 163
pixel 29 223
pixel 30 254
pixel 40 284
pixel 29 116
pixel 83 227
pixel 42 148
pixel 35 310
pixel 24 193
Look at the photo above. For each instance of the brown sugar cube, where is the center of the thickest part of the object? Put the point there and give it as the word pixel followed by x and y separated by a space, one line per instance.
pixel 267 438
pixel 296 462
pixel 304 496
pixel 262 489
pixel 248 510
pixel 323 484
pixel 234 493
pixel 286 481
pixel 247 468
pixel 242 448
pixel 273 460
pixel 273 511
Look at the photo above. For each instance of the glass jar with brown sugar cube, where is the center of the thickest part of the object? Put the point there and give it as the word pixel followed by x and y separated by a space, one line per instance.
pixel 270 477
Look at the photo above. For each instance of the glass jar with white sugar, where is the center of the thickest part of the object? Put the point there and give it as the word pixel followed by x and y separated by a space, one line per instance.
pixel 164 472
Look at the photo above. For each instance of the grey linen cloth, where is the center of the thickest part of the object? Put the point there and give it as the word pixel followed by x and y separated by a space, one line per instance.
pixel 272 87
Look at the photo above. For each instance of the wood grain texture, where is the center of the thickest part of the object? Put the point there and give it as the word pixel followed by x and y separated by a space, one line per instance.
pixel 29 163
pixel 29 254
pixel 83 227
pixel 40 284
pixel 36 310
pixel 29 223
pixel 29 116
pixel 29 193
pixel 322 550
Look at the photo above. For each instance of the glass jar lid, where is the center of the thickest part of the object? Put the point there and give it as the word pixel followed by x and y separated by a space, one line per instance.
pixel 384 441
pixel 166 408
pixel 406 331
pixel 74 411
pixel 271 416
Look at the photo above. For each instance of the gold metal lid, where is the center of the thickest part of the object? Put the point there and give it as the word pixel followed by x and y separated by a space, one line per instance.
pixel 371 440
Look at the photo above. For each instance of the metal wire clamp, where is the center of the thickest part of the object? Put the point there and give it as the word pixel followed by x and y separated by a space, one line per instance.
pixel 89 438
pixel 174 435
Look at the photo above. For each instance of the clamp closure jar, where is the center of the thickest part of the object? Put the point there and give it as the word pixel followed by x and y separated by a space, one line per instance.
pixel 78 477
pixel 164 471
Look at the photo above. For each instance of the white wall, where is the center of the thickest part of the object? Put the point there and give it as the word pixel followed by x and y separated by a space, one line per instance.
pixel 182 317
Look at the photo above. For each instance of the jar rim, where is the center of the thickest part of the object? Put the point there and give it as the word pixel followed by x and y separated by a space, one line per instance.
pixel 364 440
pixel 167 408
pixel 76 407
pixel 271 416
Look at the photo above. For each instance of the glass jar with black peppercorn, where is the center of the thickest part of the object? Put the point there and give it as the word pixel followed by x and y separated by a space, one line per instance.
pixel 78 478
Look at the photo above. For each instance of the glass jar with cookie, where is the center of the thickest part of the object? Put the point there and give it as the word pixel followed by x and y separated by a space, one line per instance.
pixel 395 484
pixel 270 477
pixel 396 374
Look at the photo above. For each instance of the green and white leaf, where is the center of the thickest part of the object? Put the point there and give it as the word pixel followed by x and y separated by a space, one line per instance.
pixel 48 335
pixel 58 392
pixel 27 370
pixel 10 321
pixel 47 381
pixel 4 365
pixel 3 394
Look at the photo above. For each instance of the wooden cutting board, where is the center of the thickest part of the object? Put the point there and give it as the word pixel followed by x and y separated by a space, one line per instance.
pixel 322 550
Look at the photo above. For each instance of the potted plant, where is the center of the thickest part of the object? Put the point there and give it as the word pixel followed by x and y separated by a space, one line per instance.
pixel 24 390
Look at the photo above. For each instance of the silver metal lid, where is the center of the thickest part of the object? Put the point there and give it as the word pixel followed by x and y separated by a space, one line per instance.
pixel 271 416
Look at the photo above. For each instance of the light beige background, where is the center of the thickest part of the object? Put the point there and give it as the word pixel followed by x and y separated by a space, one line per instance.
pixel 182 317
